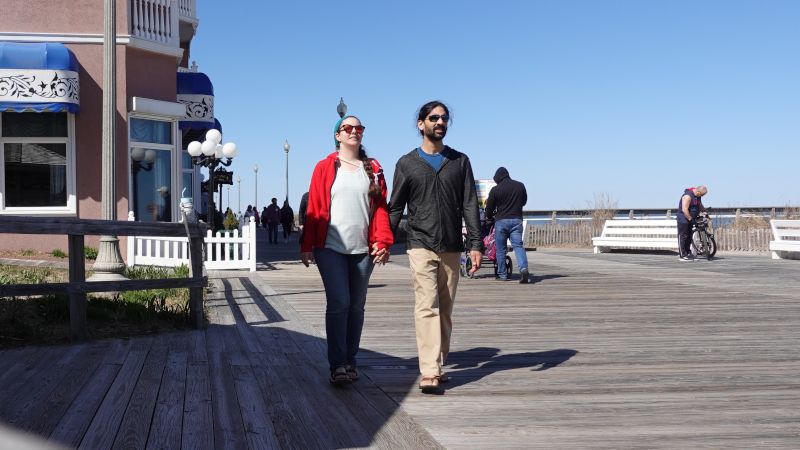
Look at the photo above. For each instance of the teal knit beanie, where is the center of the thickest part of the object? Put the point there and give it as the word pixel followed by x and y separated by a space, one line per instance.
pixel 336 130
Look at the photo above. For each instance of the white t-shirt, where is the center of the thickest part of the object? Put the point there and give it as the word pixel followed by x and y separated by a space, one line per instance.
pixel 348 231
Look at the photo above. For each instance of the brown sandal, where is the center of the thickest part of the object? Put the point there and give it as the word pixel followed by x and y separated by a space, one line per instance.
pixel 443 378
pixel 429 384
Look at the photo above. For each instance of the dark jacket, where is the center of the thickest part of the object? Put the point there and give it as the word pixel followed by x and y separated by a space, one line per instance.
pixel 437 201
pixel 287 214
pixel 506 200
pixel 301 214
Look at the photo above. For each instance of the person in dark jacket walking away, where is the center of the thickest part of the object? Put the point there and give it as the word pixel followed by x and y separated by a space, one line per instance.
pixel 504 205
pixel 287 220
pixel 689 207
pixel 436 183
pixel 273 217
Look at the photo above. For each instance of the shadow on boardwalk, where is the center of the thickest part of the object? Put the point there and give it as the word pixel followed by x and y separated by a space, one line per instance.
pixel 256 378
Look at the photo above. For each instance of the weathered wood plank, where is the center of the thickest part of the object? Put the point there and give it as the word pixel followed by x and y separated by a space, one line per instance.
pixel 168 416
pixel 76 226
pixel 99 286
pixel 137 420
pixel 105 424
pixel 72 427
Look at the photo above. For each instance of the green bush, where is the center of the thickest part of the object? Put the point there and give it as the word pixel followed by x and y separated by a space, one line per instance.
pixel 58 253
pixel 90 253
pixel 230 222
pixel 28 252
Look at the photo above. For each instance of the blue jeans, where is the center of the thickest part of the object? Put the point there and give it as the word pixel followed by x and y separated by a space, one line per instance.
pixel 503 230
pixel 345 278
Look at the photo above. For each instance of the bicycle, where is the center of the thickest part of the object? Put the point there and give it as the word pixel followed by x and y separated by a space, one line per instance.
pixel 703 242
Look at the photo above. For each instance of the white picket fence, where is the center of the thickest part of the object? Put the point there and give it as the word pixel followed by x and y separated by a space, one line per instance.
pixel 228 250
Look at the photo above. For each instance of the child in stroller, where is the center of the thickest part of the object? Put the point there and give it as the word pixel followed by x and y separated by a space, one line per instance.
pixel 489 256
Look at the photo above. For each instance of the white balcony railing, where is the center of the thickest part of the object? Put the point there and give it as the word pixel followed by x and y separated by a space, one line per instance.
pixel 156 20
pixel 188 9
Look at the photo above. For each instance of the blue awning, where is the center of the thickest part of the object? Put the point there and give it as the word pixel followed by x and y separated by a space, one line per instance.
pixel 197 93
pixel 40 77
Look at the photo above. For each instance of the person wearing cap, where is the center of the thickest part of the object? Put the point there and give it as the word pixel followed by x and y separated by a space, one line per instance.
pixel 346 232
pixel 504 205
pixel 689 207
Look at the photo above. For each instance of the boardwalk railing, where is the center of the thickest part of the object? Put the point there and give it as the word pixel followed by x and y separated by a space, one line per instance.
pixel 78 287
pixel 579 235
pixel 223 251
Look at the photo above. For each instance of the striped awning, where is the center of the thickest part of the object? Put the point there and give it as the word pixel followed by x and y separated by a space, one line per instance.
pixel 38 77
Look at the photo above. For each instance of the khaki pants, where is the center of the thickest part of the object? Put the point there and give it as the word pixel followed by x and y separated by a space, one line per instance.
pixel 435 277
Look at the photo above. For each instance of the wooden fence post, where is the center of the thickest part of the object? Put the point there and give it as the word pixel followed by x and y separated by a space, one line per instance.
pixel 78 327
pixel 196 316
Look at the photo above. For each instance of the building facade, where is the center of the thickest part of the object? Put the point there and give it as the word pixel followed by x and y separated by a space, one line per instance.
pixel 51 77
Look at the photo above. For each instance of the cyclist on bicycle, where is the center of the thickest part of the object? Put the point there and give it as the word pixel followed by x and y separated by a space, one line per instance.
pixel 689 207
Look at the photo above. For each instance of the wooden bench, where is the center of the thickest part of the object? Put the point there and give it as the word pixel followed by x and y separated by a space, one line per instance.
pixel 637 233
pixel 786 239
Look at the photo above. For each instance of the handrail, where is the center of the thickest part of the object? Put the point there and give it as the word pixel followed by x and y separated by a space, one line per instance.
pixel 77 287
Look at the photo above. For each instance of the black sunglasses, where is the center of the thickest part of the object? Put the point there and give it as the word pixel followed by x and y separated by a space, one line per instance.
pixel 435 118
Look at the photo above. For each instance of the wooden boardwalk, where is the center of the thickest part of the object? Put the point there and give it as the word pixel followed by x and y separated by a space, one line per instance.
pixel 603 351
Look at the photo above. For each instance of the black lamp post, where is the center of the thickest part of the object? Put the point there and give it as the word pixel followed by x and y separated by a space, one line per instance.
pixel 213 156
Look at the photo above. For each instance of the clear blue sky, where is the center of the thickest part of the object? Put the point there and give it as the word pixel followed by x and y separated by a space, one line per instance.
pixel 632 99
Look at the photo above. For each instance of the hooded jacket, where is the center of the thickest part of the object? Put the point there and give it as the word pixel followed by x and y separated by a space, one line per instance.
pixel 437 202
pixel 506 200
pixel 318 212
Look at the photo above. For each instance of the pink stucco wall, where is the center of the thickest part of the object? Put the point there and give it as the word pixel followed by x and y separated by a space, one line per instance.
pixel 139 73
pixel 57 16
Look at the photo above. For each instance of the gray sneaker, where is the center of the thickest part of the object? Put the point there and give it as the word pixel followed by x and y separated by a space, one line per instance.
pixel 524 276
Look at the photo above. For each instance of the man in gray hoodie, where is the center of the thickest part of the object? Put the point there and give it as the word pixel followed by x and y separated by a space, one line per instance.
pixel 505 204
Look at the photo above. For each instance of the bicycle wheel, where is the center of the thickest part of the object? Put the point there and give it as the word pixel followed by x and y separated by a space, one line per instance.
pixel 698 243
pixel 712 246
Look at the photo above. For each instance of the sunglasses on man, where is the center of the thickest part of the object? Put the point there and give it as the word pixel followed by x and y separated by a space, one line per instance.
pixel 359 129
pixel 433 118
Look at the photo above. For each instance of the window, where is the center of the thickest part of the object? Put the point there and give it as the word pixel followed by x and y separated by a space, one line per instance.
pixel 36 169
pixel 151 161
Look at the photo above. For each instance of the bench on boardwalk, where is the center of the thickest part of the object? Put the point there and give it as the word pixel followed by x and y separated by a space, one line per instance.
pixel 637 233
pixel 786 239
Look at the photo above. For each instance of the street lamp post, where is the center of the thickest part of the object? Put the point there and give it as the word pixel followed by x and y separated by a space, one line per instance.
pixel 109 264
pixel 255 171
pixel 286 147
pixel 341 108
pixel 239 182
pixel 210 154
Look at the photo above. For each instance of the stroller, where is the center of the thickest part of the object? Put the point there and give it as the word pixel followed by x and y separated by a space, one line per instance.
pixel 490 256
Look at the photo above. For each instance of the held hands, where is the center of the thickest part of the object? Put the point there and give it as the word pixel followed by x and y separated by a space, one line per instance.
pixel 306 258
pixel 475 256
pixel 381 255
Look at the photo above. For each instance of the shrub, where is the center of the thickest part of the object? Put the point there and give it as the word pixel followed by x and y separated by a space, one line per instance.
pixel 58 253
pixel 28 252
pixel 230 222
pixel 603 208
pixel 90 253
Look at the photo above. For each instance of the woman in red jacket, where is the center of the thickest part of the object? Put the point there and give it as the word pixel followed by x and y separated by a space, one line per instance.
pixel 346 233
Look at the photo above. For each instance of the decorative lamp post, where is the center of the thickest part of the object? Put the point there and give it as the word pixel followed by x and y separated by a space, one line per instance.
pixel 239 182
pixel 341 108
pixel 255 171
pixel 286 147
pixel 109 264
pixel 210 154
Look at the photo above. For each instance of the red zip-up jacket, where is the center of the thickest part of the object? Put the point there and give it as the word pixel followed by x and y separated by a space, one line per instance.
pixel 318 213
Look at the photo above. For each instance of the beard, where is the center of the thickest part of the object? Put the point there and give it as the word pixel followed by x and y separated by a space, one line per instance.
pixel 435 134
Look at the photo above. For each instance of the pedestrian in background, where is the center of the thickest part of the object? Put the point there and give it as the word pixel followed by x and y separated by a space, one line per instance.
pixel 504 205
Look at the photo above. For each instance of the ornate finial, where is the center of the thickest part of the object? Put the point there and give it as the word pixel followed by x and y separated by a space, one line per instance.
pixel 341 108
